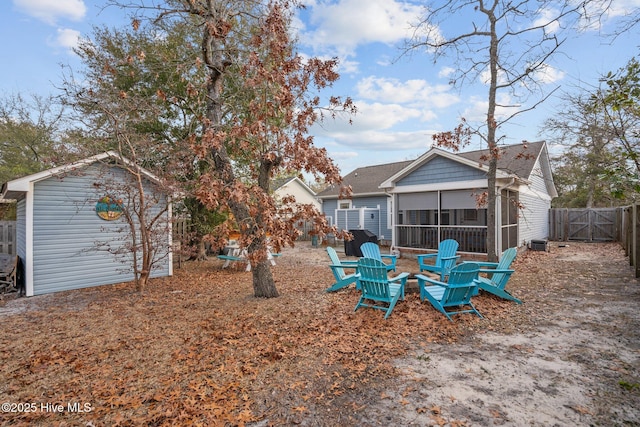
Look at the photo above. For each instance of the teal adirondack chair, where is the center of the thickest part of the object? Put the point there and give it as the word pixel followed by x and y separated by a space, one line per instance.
pixel 377 287
pixel 337 267
pixel 371 250
pixel 445 259
pixel 461 285
pixel 498 275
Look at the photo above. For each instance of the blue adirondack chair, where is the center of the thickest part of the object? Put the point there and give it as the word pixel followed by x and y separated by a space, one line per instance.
pixel 371 250
pixel 498 275
pixel 445 259
pixel 461 285
pixel 377 287
pixel 337 267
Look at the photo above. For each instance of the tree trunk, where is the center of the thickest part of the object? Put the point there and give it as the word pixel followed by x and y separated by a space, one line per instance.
pixel 263 284
pixel 212 48
pixel 141 283
pixel 201 250
pixel 491 142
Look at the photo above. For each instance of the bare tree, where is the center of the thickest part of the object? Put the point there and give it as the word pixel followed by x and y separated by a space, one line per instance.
pixel 114 116
pixel 581 171
pixel 143 202
pixel 507 46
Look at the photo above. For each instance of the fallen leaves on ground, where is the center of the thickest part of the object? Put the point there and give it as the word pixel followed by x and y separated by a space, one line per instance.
pixel 198 348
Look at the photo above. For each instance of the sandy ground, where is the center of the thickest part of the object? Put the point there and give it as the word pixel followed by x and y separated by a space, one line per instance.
pixel 572 359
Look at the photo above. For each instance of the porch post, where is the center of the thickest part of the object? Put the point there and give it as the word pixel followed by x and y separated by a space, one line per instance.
pixel 392 211
pixel 499 229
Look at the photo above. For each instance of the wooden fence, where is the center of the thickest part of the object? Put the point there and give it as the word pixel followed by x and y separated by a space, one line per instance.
pixel 630 236
pixel 587 225
pixel 600 225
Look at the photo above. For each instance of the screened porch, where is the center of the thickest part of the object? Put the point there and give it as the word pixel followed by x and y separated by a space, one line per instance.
pixel 425 219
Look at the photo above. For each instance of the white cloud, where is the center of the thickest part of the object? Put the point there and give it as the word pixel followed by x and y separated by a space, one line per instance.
pixel 547 74
pixel 376 126
pixel 374 140
pixel 476 111
pixel 342 155
pixel 382 116
pixel 342 26
pixel 416 92
pixel 614 9
pixel 446 72
pixel 67 38
pixel 547 18
pixel 49 11
pixel 370 116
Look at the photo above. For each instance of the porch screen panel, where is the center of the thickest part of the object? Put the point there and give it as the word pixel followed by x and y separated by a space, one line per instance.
pixel 417 201
pixel 459 199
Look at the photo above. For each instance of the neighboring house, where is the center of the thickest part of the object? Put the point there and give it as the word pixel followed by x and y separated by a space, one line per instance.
pixel 294 186
pixel 65 221
pixel 369 207
pixel 435 197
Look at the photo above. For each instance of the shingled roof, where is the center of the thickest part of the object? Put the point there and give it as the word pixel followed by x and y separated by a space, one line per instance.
pixel 517 159
pixel 366 180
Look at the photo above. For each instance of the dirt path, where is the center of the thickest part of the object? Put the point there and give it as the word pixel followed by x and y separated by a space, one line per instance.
pixel 572 358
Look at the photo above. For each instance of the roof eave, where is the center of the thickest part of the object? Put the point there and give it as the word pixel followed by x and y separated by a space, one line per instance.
pixel 336 196
pixel 22 185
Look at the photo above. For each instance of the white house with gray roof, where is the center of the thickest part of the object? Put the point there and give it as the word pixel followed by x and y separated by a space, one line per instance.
pixel 435 197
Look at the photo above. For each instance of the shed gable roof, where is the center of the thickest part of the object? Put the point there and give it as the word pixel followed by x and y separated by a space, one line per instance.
pixel 14 189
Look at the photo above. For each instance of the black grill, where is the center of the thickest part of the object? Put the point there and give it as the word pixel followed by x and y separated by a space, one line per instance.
pixel 352 247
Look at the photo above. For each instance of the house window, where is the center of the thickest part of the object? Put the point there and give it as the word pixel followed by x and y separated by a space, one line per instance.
pixel 418 217
pixel 445 217
pixel 470 215
pixel 346 204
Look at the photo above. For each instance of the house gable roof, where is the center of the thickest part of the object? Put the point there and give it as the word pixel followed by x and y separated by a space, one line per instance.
pixel 278 183
pixel 16 188
pixel 516 161
pixel 365 180
pixel 520 160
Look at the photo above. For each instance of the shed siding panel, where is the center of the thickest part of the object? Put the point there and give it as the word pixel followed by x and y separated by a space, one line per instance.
pixel 440 169
pixel 66 235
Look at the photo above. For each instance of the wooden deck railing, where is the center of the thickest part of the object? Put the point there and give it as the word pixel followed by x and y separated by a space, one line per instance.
pixel 470 239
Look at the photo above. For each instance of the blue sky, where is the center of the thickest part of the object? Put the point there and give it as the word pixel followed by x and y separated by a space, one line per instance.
pixel 401 101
